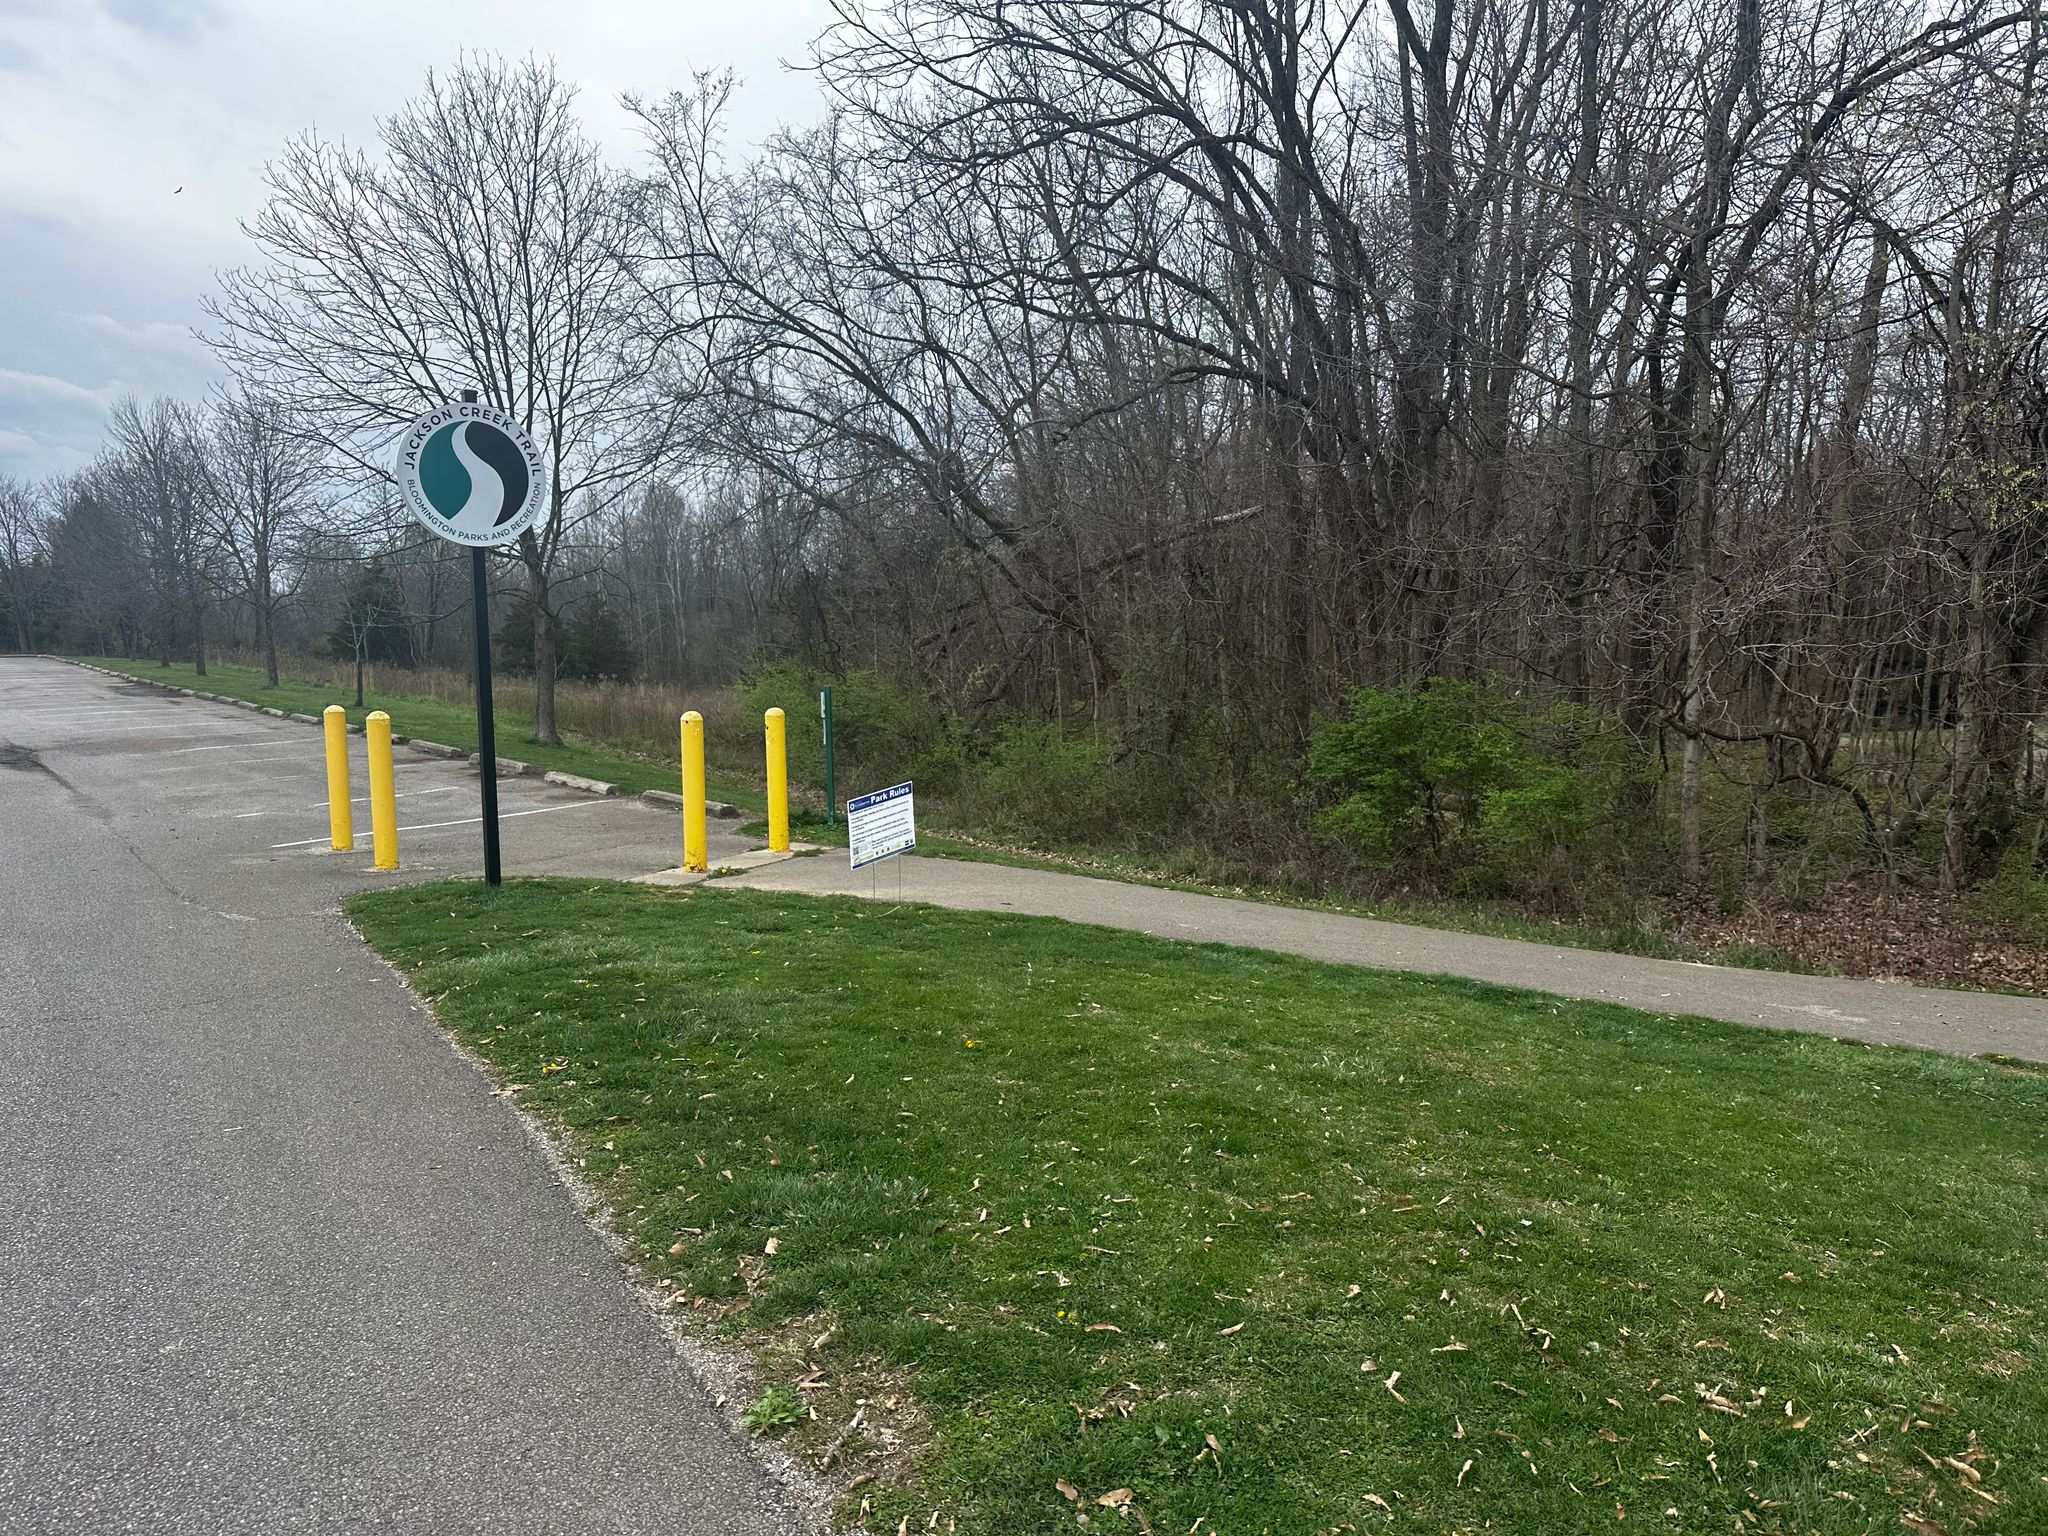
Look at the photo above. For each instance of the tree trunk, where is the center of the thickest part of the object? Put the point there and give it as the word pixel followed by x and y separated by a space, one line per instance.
pixel 1573 664
pixel 542 600
pixel 1691 859
pixel 266 617
pixel 1966 764
pixel 544 730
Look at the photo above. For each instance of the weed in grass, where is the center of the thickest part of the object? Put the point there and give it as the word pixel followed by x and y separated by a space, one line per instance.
pixel 1282 1246
pixel 1756 957
pixel 775 1409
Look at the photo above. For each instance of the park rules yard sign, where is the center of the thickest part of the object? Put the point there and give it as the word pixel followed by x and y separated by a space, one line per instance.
pixel 881 825
pixel 471 474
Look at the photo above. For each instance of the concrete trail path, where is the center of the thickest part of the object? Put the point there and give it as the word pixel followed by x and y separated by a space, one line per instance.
pixel 275 1259
pixel 1960 1023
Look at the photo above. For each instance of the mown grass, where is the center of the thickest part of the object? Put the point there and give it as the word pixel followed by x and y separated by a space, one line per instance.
pixel 1280 1247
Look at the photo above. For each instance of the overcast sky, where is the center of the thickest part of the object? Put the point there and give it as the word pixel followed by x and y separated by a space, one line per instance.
pixel 107 107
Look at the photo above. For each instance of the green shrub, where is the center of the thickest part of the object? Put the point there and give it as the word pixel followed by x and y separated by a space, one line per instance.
pixel 1038 781
pixel 2016 896
pixel 883 730
pixel 1475 787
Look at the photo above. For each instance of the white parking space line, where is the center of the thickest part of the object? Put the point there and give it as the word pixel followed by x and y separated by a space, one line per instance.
pixel 87 707
pixel 321 805
pixel 276 757
pixel 167 728
pixel 224 747
pixel 446 789
pixel 465 821
pixel 61 715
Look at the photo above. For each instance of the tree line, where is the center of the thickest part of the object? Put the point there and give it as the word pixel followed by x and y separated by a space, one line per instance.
pixel 1174 370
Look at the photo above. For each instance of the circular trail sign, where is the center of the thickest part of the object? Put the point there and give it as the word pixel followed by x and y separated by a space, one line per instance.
pixel 471 474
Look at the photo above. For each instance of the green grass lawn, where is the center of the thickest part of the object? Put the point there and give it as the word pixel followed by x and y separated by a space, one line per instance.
pixel 1279 1247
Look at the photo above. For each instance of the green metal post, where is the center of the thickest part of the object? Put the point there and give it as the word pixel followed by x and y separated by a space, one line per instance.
pixel 831 773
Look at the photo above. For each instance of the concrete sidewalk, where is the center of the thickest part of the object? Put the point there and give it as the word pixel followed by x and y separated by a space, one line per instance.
pixel 1887 1013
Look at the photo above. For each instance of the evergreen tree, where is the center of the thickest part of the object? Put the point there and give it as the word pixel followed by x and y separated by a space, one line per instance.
pixel 372 626
pixel 596 648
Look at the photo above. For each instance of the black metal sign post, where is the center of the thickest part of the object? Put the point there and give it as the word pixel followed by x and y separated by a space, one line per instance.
pixel 472 474
pixel 486 730
pixel 486 726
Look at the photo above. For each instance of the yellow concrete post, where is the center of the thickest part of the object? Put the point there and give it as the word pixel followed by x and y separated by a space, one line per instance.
pixel 341 824
pixel 383 793
pixel 778 782
pixel 696 847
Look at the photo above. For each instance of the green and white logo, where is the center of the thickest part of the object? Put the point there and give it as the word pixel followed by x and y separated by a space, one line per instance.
pixel 471 474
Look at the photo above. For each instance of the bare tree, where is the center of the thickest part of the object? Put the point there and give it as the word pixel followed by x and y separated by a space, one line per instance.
pixel 264 479
pixel 24 516
pixel 153 475
pixel 487 245
pixel 1169 369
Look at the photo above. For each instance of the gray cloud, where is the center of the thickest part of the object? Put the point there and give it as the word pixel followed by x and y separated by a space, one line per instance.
pixel 46 430
pixel 175 21
pixel 110 105
pixel 51 425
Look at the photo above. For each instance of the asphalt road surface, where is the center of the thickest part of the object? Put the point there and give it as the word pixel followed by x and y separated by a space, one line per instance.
pixel 1883 1013
pixel 273 1257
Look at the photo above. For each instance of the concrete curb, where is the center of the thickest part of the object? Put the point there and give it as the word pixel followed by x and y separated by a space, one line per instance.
pixel 757 858
pixel 670 800
pixel 578 782
pixel 508 767
pixel 437 749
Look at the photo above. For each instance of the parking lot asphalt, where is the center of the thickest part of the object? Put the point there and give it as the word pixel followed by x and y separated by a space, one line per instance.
pixel 276 1258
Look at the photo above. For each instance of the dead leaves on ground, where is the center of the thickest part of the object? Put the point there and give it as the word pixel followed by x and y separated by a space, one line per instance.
pixel 1899 935
pixel 1121 1500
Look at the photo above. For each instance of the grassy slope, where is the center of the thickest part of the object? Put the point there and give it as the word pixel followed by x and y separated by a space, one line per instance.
pixel 1283 1182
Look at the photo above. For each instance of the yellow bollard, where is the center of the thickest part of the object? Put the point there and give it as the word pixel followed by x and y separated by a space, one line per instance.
pixel 341 824
pixel 778 782
pixel 383 795
pixel 696 848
